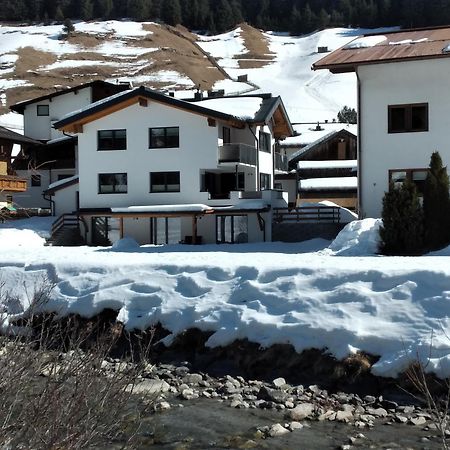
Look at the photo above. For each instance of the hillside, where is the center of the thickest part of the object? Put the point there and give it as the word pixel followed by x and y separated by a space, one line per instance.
pixel 35 60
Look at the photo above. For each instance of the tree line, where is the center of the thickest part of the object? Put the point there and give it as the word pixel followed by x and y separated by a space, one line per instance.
pixel 215 16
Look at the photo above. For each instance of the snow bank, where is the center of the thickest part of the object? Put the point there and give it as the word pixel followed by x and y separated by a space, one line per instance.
pixel 365 42
pixel 358 238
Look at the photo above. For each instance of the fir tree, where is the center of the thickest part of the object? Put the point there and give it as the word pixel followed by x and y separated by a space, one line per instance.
pixel 87 10
pixel 403 225
pixel 171 12
pixel 224 16
pixel 347 115
pixel 296 21
pixel 436 204
pixel 68 27
pixel 59 15
pixel 137 9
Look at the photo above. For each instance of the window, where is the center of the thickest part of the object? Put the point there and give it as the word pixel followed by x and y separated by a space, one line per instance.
pixel 43 110
pixel 408 118
pixel 265 181
pixel 226 135
pixel 112 140
pixel 264 142
pixel 165 182
pixel 35 180
pixel 112 183
pixel 417 176
pixel 164 137
pixel 232 229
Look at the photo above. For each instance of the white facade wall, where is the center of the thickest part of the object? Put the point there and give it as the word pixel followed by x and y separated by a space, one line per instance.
pixel 198 150
pixel 65 200
pixel 423 81
pixel 40 127
pixel 32 197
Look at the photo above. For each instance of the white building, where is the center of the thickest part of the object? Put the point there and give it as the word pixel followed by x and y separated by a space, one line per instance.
pixel 55 159
pixel 161 169
pixel 404 106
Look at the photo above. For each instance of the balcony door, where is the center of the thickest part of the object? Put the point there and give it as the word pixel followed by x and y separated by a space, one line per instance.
pixel 219 185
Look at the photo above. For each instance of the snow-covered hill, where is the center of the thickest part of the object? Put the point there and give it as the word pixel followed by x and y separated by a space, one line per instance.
pixel 35 60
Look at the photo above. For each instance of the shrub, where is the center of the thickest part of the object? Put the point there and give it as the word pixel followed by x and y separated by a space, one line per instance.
pixel 436 204
pixel 402 230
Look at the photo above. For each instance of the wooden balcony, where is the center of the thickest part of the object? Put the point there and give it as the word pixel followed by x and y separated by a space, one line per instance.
pixel 10 183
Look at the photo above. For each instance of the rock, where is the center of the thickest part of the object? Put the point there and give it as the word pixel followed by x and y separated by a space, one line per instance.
pixel 301 411
pixel 294 426
pixel 369 399
pixel 400 419
pixel 344 416
pixel 149 387
pixel 345 447
pixel 327 415
pixel 187 394
pixel 279 382
pixel 359 424
pixel 163 406
pixel 418 420
pixel 289 404
pixel 277 430
pixel 388 404
pixel 273 395
pixel 377 412
pixel 193 378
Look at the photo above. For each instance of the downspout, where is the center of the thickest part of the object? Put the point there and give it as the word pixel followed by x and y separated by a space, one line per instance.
pixel 52 203
pixel 257 157
pixel 358 149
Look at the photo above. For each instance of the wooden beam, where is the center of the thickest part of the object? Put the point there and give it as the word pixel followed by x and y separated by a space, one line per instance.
pixel 121 227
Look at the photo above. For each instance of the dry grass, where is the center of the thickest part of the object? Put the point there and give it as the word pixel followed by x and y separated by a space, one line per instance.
pixel 259 54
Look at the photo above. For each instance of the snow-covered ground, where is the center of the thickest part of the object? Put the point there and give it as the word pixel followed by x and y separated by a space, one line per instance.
pixel 309 294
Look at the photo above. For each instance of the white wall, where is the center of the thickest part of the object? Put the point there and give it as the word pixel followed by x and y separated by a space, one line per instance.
pixel 32 197
pixel 40 127
pixel 198 150
pixel 66 200
pixel 391 84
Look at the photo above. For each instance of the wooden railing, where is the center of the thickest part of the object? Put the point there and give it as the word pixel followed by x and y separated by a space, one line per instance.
pixel 330 214
pixel 11 183
pixel 69 221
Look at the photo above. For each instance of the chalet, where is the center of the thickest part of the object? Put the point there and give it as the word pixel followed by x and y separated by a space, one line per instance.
pixel 54 155
pixel 10 183
pixel 403 107
pixel 322 159
pixel 164 170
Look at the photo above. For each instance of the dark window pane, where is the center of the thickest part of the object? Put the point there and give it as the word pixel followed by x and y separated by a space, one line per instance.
pixel 419 118
pixel 43 110
pixel 165 182
pixel 35 180
pixel 172 139
pixel 397 119
pixel 264 142
pixel 112 183
pixel 112 139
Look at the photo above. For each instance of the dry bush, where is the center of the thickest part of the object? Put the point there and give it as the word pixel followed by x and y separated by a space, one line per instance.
pixel 57 390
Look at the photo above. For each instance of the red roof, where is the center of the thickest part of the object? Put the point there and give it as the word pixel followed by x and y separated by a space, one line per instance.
pixel 403 45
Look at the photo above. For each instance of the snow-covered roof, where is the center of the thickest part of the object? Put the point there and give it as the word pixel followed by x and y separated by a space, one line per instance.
pixel 329 164
pixel 309 134
pixel 332 183
pixel 63 182
pixel 365 42
pixel 194 207
pixel 245 108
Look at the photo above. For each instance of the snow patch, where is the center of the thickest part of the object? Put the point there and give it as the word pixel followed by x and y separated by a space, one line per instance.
pixel 365 42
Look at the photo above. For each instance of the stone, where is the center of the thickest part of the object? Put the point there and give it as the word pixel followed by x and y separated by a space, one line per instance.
pixel 301 411
pixel 294 426
pixel 327 415
pixel 369 399
pixel 193 378
pixel 277 430
pixel 187 394
pixel 344 416
pixel 273 395
pixel 279 382
pixel 149 387
pixel 163 406
pixel 420 420
pixel 359 424
pixel 345 447
pixel 377 412
pixel 400 419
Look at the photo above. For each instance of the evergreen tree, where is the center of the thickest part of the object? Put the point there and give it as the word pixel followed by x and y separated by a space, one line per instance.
pixel 137 9
pixel 436 204
pixel 403 225
pixel 224 16
pixel 347 115
pixel 104 8
pixel 59 15
pixel 296 21
pixel 68 27
pixel 171 12
pixel 87 10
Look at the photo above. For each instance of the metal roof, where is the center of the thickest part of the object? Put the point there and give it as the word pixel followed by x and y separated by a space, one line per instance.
pixel 17 138
pixel 402 45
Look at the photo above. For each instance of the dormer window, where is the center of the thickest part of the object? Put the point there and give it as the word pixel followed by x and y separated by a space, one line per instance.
pixel 43 110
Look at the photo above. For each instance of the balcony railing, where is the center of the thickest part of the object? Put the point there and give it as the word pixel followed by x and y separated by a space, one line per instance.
pixel 10 183
pixel 237 153
pixel 281 162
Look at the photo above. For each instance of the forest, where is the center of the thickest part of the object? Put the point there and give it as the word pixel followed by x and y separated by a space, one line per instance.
pixel 216 16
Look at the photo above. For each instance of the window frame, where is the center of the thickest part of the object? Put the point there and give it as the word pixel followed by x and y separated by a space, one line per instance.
pixel 113 191
pixel 36 180
pixel 265 138
pixel 408 118
pixel 166 184
pixel 39 108
pixel 267 177
pixel 115 140
pixel 222 218
pixel 408 176
pixel 151 143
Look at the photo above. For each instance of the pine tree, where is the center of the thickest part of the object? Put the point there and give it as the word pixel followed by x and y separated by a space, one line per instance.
pixel 104 8
pixel 137 9
pixel 296 21
pixel 347 115
pixel 436 204
pixel 171 12
pixel 224 16
pixel 68 27
pixel 87 10
pixel 59 15
pixel 403 225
